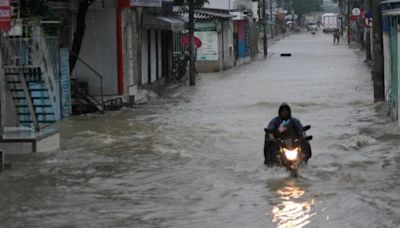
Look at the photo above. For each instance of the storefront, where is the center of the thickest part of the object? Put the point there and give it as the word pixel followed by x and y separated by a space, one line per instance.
pixel 241 37
pixel 391 41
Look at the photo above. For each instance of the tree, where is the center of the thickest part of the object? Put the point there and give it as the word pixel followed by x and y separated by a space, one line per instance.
pixel 282 4
pixel 191 4
pixel 38 10
pixel 79 33
pixel 302 7
pixel 35 9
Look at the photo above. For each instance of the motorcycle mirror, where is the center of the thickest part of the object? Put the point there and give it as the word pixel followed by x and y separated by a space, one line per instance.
pixel 306 128
pixel 308 138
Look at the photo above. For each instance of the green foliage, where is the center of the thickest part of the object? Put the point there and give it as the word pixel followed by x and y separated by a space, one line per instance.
pixel 197 3
pixel 36 9
pixel 302 7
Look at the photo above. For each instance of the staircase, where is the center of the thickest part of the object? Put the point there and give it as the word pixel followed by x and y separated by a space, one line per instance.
pixel 30 78
pixel 30 96
pixel 82 101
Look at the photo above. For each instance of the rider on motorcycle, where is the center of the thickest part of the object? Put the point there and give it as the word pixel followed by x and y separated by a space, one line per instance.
pixel 283 126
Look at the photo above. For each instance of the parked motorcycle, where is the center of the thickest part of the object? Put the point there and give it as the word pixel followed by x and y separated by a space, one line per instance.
pixel 179 64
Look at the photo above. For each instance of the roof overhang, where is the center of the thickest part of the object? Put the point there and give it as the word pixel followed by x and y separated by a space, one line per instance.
pixel 390 2
pixel 215 14
pixel 391 12
pixel 169 23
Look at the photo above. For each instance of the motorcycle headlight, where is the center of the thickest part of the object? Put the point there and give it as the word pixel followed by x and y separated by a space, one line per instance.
pixel 291 154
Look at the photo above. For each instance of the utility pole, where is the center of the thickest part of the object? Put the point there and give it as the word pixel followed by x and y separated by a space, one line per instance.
pixel 378 68
pixel 139 18
pixel 271 18
pixel 2 98
pixel 265 28
pixel 348 22
pixel 367 34
pixel 192 66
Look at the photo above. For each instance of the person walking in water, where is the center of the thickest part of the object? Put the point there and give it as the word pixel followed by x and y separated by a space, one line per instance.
pixel 336 36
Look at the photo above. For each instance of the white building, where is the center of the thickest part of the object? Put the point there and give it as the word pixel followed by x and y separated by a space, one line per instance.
pixel 243 27
pixel 229 4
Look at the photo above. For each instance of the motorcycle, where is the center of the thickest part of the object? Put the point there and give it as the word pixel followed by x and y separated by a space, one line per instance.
pixel 290 153
pixel 179 65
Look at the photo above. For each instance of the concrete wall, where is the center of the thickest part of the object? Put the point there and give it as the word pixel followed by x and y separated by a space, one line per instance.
pixel 207 66
pixel 99 49
pixel 220 4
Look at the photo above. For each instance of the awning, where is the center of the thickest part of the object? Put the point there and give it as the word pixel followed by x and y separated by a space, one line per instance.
pixel 215 14
pixel 389 2
pixel 391 12
pixel 170 23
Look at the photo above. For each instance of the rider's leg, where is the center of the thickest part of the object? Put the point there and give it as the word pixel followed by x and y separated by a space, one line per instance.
pixel 306 150
pixel 271 150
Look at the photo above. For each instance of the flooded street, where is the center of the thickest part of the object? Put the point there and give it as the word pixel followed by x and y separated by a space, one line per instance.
pixel 194 157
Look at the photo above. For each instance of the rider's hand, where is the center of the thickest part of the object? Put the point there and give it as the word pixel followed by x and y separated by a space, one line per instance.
pixel 271 136
pixel 282 129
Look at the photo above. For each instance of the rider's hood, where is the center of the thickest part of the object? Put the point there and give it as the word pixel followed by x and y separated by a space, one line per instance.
pixel 284 106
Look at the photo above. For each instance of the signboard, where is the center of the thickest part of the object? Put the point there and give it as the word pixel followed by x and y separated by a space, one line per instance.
pixel 65 83
pixel 5 15
pixel 207 25
pixel 5 3
pixel 356 12
pixel 209 49
pixel 146 3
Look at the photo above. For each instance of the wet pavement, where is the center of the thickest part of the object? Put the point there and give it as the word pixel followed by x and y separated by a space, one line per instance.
pixel 193 158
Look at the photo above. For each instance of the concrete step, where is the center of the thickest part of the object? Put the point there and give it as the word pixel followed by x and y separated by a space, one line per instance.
pixel 23 140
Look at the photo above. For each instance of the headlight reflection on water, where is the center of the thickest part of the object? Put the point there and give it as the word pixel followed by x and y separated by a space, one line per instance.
pixel 292 211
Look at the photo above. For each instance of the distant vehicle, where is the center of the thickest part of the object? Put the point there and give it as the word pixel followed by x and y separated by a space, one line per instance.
pixel 312 26
pixel 329 22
